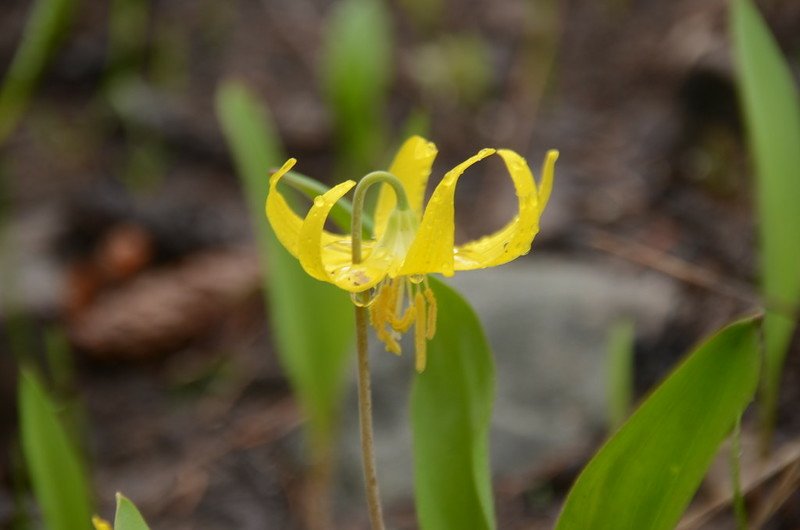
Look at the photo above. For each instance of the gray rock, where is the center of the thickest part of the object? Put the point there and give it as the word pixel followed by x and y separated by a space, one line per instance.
pixel 31 280
pixel 547 321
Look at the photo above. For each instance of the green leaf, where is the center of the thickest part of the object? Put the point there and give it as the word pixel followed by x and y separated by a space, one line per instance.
pixel 451 404
pixel 128 516
pixel 645 475
pixel 127 35
pixel 356 70
pixel 45 26
pixel 58 478
pixel 771 108
pixel 620 371
pixel 342 211
pixel 313 322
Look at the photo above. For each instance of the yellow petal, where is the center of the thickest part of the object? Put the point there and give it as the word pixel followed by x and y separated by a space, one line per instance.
pixel 329 259
pixel 432 249
pixel 412 166
pixel 285 223
pixel 548 169
pixel 101 524
pixel 516 237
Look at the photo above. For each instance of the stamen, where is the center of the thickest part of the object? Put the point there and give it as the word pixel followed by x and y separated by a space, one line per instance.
pixel 420 339
pixel 403 323
pixel 401 296
pixel 391 296
pixel 432 310
pixel 377 314
pixel 390 340
pixel 381 313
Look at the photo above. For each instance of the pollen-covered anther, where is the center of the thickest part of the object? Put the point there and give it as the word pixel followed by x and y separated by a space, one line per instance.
pixel 381 315
pixel 390 340
pixel 420 336
pixel 432 310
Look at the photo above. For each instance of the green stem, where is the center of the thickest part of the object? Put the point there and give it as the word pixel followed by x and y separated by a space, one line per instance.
pixel 364 385
pixel 342 211
pixel 365 417
pixel 364 184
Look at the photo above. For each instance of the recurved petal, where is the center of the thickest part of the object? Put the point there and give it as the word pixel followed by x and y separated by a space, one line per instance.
pixel 412 165
pixel 432 249
pixel 548 169
pixel 516 237
pixel 285 223
pixel 329 259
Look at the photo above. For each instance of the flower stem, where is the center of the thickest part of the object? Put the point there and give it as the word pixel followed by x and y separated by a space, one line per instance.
pixel 365 417
pixel 383 177
pixel 364 385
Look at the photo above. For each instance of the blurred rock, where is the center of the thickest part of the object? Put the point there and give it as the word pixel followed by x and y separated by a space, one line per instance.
pixel 163 308
pixel 31 280
pixel 547 321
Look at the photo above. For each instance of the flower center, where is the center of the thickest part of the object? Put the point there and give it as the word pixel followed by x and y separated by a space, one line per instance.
pixel 401 228
pixel 400 303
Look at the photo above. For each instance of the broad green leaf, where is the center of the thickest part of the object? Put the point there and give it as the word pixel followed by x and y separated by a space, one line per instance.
pixel 128 516
pixel 45 26
pixel 312 321
pixel 771 108
pixel 645 475
pixel 58 478
pixel 356 71
pixel 451 404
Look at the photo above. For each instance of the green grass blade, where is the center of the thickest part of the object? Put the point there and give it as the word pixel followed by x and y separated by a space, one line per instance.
pixel 45 26
pixel 451 403
pixel 620 371
pixel 771 108
pixel 341 213
pixel 128 516
pixel 356 71
pixel 59 481
pixel 312 321
pixel 645 475
pixel 127 35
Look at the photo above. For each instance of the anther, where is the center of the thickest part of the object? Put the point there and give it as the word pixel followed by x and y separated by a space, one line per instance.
pixel 420 338
pixel 432 310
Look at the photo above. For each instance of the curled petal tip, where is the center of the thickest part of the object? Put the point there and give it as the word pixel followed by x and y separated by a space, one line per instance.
pixel 289 164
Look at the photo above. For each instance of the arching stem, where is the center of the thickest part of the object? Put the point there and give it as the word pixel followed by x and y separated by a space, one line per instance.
pixel 364 384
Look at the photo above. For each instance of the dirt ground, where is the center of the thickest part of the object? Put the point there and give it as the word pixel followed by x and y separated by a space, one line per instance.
pixel 183 403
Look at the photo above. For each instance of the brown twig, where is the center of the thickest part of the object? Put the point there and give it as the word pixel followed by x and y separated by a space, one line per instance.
pixel 684 271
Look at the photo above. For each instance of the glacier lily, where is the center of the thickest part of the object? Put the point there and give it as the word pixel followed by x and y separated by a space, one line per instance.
pixel 408 243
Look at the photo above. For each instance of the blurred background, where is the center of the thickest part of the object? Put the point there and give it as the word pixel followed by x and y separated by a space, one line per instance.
pixel 128 263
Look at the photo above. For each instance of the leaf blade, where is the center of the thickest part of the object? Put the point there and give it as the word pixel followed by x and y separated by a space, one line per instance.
pixel 312 322
pixel 44 27
pixel 645 475
pixel 451 404
pixel 128 516
pixel 772 111
pixel 58 478
pixel 356 74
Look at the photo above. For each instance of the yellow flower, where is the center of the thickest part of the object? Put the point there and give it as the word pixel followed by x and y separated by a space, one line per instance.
pixel 101 524
pixel 408 243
